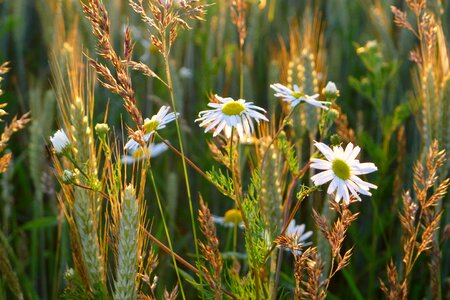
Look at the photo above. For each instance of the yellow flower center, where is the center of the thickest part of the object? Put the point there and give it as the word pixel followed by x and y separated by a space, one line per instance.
pixel 298 94
pixel 233 216
pixel 233 108
pixel 341 169
pixel 150 125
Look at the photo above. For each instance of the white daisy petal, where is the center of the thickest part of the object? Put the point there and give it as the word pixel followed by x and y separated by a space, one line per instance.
pixel 326 151
pixel 295 96
pixel 320 164
pixel 323 177
pixel 138 153
pixel 364 168
pixel 333 185
pixel 305 236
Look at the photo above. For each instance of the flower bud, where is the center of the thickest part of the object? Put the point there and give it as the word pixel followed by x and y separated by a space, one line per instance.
pixel 330 91
pixel 60 141
pixel 335 140
pixel 101 129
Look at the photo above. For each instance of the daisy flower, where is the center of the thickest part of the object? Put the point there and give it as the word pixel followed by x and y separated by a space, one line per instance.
pixel 231 218
pixel 60 141
pixel 140 153
pixel 229 113
pixel 294 97
pixel 342 168
pixel 157 122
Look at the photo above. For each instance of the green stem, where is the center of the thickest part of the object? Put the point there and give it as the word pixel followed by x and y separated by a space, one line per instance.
pixel 167 233
pixel 235 226
pixel 186 178
pixel 241 72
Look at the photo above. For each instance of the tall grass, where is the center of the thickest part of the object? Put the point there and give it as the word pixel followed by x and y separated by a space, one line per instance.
pixel 229 215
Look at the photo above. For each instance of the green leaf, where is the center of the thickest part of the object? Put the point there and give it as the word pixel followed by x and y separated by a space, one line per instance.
pixel 401 113
pixel 40 223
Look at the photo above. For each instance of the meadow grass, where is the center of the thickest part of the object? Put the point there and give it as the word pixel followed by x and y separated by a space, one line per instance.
pixel 142 173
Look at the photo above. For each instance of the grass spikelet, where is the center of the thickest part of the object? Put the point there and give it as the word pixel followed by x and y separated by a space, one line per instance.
pixel 8 273
pixel 125 284
pixel 120 84
pixel 210 250
pixel 314 285
pixel 310 113
pixel 420 222
pixel 335 235
pixel 271 194
pixel 75 99
pixel 15 125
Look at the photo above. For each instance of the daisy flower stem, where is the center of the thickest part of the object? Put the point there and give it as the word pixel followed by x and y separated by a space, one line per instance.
pixel 70 158
pixel 235 238
pixel 190 162
pixel 180 141
pixel 169 241
pixel 235 181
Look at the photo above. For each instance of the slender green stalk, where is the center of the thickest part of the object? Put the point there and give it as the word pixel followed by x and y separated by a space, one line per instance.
pixel 183 158
pixel 180 141
pixel 167 234
pixel 235 238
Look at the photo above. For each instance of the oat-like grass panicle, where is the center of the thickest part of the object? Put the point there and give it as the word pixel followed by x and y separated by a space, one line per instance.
pixel 172 295
pixel 431 105
pixel 420 222
pixel 336 234
pixel 238 17
pixel 15 125
pixel 308 269
pixel 120 83
pixel 210 250
pixel 313 285
pixel 7 272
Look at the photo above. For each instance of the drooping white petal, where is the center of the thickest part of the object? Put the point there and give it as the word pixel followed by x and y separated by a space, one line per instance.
pixel 329 154
pixel 364 168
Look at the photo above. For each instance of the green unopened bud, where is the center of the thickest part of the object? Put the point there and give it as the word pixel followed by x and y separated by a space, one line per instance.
pixel 101 129
pixel 335 140
pixel 67 177
pixel 332 114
